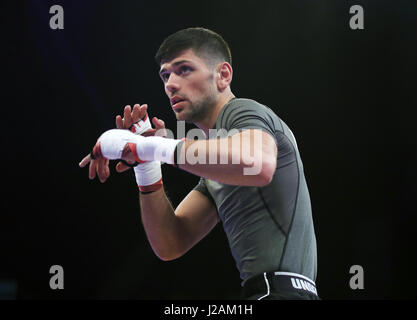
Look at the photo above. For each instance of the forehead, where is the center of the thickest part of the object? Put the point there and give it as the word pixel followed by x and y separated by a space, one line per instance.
pixel 184 56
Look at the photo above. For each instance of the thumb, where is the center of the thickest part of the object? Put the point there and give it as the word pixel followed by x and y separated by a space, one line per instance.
pixel 159 127
pixel 121 167
pixel 158 123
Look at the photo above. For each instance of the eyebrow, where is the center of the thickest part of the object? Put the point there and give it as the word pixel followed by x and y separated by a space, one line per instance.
pixel 174 65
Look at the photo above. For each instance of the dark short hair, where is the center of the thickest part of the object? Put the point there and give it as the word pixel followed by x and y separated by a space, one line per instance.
pixel 204 42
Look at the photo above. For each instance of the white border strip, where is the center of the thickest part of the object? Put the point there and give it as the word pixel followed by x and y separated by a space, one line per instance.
pixel 294 275
pixel 267 287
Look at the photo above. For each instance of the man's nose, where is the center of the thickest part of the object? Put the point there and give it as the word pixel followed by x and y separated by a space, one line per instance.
pixel 172 85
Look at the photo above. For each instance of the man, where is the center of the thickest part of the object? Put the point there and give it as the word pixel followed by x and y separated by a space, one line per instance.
pixel 262 200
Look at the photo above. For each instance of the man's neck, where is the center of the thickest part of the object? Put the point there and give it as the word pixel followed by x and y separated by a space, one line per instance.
pixel 211 119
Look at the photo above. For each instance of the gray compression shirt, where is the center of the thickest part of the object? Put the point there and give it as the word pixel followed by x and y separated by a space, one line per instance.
pixel 268 228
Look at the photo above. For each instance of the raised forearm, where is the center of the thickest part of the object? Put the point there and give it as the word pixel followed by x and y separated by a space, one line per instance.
pixel 247 158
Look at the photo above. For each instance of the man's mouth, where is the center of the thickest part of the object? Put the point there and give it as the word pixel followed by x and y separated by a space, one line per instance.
pixel 176 103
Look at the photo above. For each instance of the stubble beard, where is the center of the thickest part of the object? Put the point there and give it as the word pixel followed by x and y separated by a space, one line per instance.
pixel 202 108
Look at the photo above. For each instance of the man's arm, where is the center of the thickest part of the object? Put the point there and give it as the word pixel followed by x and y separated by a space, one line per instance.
pixel 172 233
pixel 247 158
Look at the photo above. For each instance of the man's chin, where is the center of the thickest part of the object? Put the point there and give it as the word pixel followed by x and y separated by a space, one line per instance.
pixel 181 116
pixel 191 115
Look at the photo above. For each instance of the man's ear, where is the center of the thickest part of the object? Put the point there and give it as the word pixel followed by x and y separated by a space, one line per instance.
pixel 225 74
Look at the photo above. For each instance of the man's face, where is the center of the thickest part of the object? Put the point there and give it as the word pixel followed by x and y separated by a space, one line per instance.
pixel 190 86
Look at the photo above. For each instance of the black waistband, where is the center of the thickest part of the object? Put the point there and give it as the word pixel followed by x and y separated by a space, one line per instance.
pixel 279 282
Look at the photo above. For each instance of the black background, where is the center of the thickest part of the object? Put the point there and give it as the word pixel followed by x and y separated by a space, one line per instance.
pixel 348 95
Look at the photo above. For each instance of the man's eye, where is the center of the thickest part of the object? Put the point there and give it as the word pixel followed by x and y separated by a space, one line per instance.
pixel 165 76
pixel 185 69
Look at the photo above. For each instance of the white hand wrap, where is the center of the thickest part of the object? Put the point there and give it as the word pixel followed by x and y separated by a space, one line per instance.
pixel 156 148
pixel 141 126
pixel 112 143
pixel 148 174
